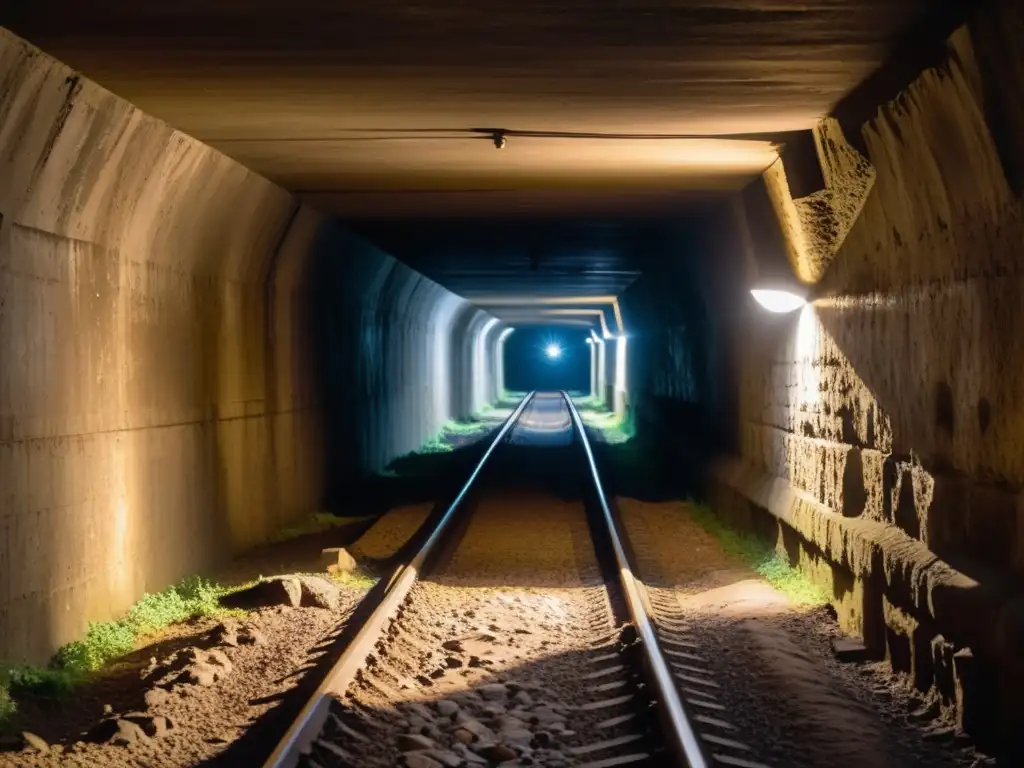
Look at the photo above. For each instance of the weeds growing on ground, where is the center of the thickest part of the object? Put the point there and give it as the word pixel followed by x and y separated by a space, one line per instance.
pixel 615 428
pixel 7 705
pixel 757 553
pixel 106 641
pixel 356 578
pixel 441 443
pixel 318 522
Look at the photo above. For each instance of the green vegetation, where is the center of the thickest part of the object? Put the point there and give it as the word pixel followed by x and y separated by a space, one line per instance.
pixel 589 402
pixel 757 553
pixel 442 442
pixel 7 705
pixel 510 399
pixel 23 681
pixel 318 522
pixel 106 641
pixel 356 578
pixel 109 640
pixel 615 428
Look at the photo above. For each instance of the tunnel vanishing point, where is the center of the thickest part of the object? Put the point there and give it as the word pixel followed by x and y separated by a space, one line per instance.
pixel 251 255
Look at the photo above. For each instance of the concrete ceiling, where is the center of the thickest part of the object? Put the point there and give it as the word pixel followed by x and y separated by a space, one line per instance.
pixel 491 259
pixel 385 107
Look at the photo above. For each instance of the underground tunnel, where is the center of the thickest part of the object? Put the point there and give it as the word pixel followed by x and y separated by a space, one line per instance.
pixel 303 310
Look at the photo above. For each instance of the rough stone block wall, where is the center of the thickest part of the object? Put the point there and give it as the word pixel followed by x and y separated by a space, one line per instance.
pixel 892 406
pixel 677 349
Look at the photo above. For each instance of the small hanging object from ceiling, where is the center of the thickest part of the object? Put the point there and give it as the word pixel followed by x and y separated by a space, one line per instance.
pixel 499 139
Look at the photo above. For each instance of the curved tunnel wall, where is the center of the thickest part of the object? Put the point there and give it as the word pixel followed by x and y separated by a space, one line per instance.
pixel 153 410
pixel 881 426
pixel 401 356
pixel 161 374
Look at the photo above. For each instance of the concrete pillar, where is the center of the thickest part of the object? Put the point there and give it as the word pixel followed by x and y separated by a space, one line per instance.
pixel 482 364
pixel 602 370
pixel 620 376
pixel 500 375
pixel 593 367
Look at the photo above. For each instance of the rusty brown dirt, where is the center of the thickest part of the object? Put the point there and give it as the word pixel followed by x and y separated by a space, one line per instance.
pixel 494 646
pixel 779 679
pixel 206 719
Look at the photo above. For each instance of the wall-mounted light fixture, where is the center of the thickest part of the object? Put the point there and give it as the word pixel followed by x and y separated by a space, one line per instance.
pixel 778 300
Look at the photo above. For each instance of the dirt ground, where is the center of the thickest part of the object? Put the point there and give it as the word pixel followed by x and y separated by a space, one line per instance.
pixel 266 657
pixel 390 532
pixel 490 659
pixel 780 680
pixel 497 643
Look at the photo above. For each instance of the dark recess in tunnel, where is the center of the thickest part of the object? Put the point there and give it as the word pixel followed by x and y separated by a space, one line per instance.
pixel 529 366
pixel 681 387
pixel 681 391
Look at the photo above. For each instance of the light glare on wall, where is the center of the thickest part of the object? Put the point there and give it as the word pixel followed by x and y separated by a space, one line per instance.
pixel 778 301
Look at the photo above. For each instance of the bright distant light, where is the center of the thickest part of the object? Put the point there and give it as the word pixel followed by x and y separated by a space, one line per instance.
pixel 778 301
pixel 553 351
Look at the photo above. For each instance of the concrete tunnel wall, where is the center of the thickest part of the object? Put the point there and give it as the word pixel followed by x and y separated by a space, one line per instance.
pixel 401 357
pixel 161 380
pixel 881 426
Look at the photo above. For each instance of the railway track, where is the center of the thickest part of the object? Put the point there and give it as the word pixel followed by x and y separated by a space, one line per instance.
pixel 537 646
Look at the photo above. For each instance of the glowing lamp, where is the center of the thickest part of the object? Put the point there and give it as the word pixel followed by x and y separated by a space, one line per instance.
pixel 553 351
pixel 778 301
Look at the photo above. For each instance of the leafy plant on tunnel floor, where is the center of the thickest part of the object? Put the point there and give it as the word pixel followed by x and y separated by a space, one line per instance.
pixel 7 705
pixel 108 640
pixel 23 680
pixel 104 642
pixel 614 428
pixel 442 442
pixel 760 555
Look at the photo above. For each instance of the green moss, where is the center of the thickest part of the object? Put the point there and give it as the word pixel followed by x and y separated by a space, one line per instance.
pixel 464 427
pixel 106 641
pixel 318 522
pixel 22 680
pixel 589 402
pixel 758 554
pixel 354 578
pixel 442 442
pixel 615 428
pixel 7 705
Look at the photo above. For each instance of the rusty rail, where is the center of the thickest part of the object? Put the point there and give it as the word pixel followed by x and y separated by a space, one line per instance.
pixel 682 739
pixel 307 726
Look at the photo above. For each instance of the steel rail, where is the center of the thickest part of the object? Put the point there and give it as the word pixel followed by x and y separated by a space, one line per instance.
pixel 307 726
pixel 682 738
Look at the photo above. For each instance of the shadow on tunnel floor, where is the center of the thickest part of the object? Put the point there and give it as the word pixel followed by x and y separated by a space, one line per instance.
pixel 644 467
pixel 417 477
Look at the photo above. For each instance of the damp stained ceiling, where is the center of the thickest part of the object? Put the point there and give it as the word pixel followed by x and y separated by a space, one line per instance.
pixel 386 108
